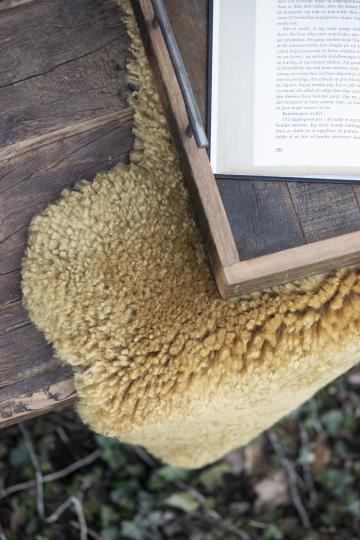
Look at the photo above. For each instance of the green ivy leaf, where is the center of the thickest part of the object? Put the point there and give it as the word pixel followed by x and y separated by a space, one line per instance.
pixel 332 515
pixel 213 476
pixel 111 452
pixel 354 508
pixel 272 532
pixel 336 481
pixel 130 529
pixel 110 533
pixel 161 478
pixel 332 421
pixel 184 501
pixel 108 516
pixel 19 455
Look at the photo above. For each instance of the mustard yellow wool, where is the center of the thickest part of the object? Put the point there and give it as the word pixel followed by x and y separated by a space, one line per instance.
pixel 116 277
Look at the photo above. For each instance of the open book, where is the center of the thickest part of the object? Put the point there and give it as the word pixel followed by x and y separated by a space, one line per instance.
pixel 285 88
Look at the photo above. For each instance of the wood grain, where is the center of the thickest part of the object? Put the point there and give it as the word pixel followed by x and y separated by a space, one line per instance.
pixel 49 397
pixel 245 277
pixel 257 211
pixel 60 63
pixel 64 117
pixel 325 210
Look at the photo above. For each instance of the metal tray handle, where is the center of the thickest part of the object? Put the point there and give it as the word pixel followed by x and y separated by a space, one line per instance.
pixel 195 127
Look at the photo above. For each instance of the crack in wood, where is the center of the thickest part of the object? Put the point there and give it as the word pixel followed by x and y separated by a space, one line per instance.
pixel 3 240
pixel 10 272
pixel 10 304
pixel 37 203
pixel 15 327
pixel 62 160
pixel 301 227
pixel 53 68
pixel 16 183
pixel 87 143
pixel 356 195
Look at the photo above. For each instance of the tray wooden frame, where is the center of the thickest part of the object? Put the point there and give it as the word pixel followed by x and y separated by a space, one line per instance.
pixel 233 276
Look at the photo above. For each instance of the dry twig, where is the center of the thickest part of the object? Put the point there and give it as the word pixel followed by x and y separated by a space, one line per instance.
pixel 87 460
pixel 39 480
pixel 38 474
pixel 211 516
pixel 2 534
pixel 91 534
pixel 306 468
pixel 316 417
pixel 75 501
pixel 292 478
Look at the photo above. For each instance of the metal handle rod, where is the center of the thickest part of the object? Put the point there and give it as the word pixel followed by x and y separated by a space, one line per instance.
pixel 196 125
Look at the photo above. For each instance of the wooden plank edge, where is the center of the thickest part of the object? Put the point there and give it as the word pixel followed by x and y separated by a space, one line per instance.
pixel 209 210
pixel 10 4
pixel 290 264
pixel 32 143
pixel 57 396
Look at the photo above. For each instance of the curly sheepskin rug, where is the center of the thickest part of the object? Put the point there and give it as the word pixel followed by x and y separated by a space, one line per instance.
pixel 116 278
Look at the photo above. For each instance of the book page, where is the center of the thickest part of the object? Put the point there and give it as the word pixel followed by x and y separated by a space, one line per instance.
pixel 307 83
pixel 232 88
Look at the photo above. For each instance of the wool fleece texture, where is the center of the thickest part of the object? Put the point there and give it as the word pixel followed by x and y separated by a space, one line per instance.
pixel 116 278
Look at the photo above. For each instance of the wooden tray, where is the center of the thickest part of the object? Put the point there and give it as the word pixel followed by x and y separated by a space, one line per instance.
pixel 257 233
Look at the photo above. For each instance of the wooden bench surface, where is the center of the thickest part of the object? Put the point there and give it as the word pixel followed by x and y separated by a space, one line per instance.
pixel 63 117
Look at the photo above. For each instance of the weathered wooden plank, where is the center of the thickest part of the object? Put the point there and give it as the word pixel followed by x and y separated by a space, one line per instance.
pixel 10 289
pixel 32 381
pixel 10 4
pixel 63 117
pixel 325 210
pixel 9 315
pixel 356 190
pixel 45 394
pixel 23 351
pixel 257 211
pixel 61 62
